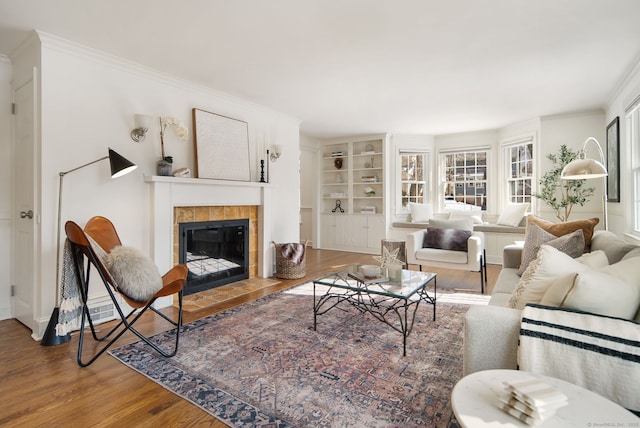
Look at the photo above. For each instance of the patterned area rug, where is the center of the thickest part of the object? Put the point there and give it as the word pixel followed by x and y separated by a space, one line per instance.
pixel 262 365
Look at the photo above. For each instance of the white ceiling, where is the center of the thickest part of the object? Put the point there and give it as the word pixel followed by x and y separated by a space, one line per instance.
pixel 345 67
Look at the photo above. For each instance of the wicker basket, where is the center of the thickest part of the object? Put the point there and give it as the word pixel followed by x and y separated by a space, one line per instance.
pixel 286 269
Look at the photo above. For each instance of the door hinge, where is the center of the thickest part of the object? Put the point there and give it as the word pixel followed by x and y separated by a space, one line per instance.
pixel 13 290
pixel 13 108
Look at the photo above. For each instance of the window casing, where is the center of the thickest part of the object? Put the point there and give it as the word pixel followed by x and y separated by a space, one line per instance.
pixel 413 178
pixel 520 169
pixel 464 179
pixel 633 131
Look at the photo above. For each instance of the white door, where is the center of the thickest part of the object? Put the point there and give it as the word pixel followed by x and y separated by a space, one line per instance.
pixel 23 215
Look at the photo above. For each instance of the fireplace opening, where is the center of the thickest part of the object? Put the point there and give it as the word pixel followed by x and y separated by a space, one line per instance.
pixel 215 252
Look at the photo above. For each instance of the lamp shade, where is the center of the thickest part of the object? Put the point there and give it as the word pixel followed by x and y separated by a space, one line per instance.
pixel 583 169
pixel 119 164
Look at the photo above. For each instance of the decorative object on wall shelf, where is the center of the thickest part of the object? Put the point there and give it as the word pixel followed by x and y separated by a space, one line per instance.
pixel 339 179
pixel 368 191
pixel 613 160
pixel 222 147
pixel 165 164
pixel 142 127
pixel 182 173
pixel 262 180
pixel 338 208
pixel 369 148
pixel 367 209
pixel 338 163
pixel 369 178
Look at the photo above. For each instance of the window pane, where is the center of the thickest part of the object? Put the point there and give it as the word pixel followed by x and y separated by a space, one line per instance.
pixel 465 185
pixel 412 179
pixel 520 171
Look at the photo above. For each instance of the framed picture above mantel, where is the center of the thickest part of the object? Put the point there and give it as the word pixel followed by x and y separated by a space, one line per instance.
pixel 221 146
pixel 613 160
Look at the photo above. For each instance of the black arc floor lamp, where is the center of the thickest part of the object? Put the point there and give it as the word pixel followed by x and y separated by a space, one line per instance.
pixel 119 167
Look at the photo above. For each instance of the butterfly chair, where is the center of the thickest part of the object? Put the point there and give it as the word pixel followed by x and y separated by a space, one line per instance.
pixel 103 233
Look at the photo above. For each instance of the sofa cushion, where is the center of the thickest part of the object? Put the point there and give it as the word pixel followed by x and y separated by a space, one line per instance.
pixel 512 214
pixel 506 282
pixel 438 255
pixel 446 239
pixel 560 229
pixel 613 246
pixel 571 244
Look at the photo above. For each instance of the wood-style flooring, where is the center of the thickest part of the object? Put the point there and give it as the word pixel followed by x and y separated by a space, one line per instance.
pixel 43 386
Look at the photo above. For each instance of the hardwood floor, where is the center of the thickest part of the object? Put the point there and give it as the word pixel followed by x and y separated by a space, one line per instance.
pixel 43 386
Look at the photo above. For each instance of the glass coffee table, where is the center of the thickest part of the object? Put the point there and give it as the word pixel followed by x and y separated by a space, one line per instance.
pixel 395 303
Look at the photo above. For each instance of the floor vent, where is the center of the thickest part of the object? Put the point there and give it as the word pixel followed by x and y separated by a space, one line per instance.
pixel 102 313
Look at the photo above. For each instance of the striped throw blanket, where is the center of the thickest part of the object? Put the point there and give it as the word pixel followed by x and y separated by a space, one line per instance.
pixel 599 353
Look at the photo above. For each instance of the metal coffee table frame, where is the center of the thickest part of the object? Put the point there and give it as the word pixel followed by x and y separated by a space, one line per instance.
pixel 389 302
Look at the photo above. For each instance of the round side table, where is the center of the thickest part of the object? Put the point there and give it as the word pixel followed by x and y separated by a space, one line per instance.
pixel 474 400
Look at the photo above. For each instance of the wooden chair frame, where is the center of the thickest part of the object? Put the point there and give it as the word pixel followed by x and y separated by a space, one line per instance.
pixel 102 231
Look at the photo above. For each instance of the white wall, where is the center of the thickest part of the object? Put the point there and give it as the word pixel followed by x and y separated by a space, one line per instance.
pixel 621 213
pixel 5 188
pixel 88 102
pixel 572 130
pixel 309 176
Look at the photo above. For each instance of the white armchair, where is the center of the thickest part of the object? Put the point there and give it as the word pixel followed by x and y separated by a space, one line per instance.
pixel 474 259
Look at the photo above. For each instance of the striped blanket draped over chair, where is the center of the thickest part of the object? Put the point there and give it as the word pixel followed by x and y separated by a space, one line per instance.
pixel 599 353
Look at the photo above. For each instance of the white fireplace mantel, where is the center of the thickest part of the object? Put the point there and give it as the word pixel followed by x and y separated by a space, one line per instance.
pixel 170 192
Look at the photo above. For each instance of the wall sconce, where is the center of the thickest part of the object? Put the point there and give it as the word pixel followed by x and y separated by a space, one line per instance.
pixel 142 126
pixel 276 151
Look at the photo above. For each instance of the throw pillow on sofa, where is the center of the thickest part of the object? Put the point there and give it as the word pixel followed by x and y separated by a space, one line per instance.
pixel 595 259
pixel 556 279
pixel 612 291
pixel 560 229
pixel 571 244
pixel 548 266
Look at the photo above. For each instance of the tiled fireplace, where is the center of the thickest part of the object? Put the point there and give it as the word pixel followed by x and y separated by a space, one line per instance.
pixel 176 200
pixel 207 262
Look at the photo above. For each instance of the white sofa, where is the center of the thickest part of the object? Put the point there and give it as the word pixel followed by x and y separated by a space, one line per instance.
pixel 491 332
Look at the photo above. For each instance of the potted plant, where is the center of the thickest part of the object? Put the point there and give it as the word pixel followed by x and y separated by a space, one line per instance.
pixel 562 195
pixel 165 164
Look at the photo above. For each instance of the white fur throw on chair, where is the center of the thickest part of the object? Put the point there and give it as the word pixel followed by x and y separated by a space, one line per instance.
pixel 135 274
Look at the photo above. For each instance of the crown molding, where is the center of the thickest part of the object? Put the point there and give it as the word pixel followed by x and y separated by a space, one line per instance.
pixel 59 44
